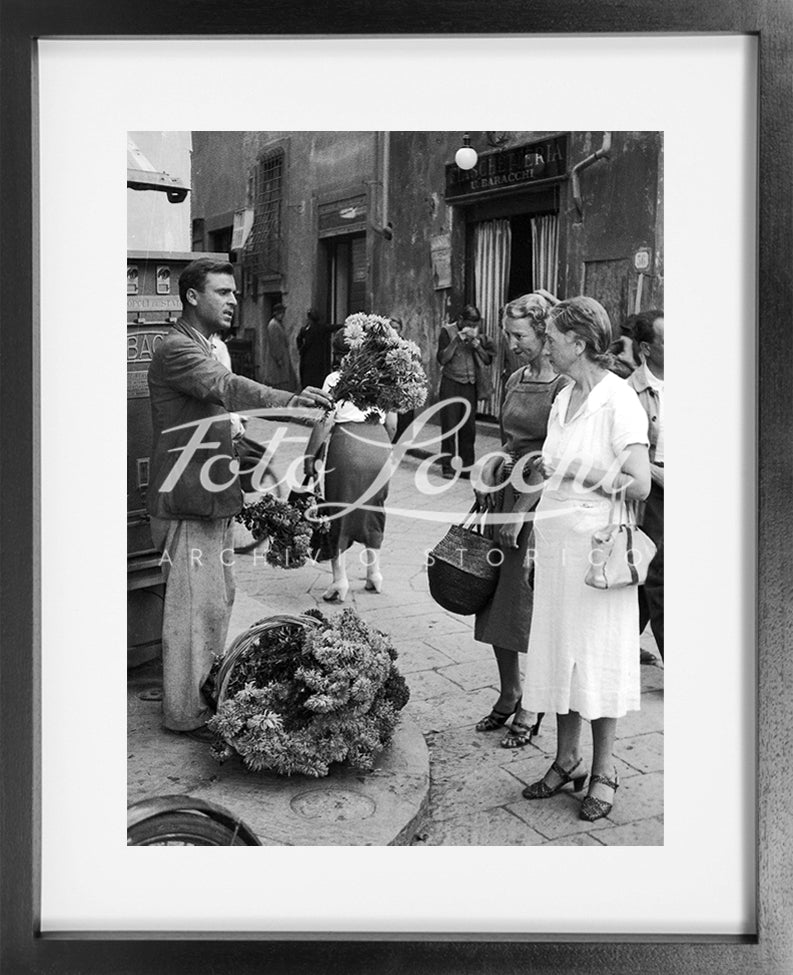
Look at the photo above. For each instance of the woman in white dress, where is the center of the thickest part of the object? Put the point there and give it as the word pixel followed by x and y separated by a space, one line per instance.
pixel 583 658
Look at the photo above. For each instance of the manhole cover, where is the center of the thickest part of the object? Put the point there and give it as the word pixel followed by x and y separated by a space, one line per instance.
pixel 333 805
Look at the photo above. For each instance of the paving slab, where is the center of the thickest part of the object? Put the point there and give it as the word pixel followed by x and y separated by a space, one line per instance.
pixel 645 832
pixel 642 752
pixel 492 828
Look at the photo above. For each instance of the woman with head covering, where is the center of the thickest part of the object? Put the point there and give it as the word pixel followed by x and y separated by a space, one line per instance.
pixel 506 620
pixel 583 659
pixel 359 447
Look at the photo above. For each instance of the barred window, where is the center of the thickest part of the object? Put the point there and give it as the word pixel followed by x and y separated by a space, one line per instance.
pixel 264 245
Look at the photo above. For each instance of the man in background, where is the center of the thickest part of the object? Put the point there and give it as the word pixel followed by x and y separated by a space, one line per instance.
pixel 278 369
pixel 648 381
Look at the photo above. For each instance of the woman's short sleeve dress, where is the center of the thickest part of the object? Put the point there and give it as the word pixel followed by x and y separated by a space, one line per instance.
pixel 355 480
pixel 505 621
pixel 584 646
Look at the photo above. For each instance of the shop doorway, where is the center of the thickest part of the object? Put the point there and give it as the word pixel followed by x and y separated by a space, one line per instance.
pixel 521 274
pixel 345 276
pixel 509 256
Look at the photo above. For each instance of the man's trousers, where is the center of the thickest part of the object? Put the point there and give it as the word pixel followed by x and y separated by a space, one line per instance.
pixel 197 558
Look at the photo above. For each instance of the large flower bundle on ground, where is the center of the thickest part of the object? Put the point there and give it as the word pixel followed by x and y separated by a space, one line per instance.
pixel 381 370
pixel 304 695
pixel 293 527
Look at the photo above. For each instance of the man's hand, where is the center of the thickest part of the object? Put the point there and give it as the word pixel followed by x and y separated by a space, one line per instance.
pixel 311 396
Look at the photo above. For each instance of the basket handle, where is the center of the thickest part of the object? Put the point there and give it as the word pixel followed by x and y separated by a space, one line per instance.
pixel 474 520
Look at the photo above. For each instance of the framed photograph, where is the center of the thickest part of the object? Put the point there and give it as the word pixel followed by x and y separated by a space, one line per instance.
pixel 684 112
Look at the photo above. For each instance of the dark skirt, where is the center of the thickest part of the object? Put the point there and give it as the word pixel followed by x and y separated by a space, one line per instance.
pixel 357 453
pixel 506 620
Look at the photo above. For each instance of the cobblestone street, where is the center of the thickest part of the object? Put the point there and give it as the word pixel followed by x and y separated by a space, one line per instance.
pixel 475 784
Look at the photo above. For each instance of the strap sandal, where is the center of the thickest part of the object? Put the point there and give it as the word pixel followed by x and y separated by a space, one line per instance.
pixel 496 719
pixel 593 808
pixel 541 789
pixel 520 734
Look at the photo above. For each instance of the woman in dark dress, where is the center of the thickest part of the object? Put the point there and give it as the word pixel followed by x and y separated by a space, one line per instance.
pixel 358 451
pixel 506 620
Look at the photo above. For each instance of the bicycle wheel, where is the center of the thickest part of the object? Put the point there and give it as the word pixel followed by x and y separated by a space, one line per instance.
pixel 183 829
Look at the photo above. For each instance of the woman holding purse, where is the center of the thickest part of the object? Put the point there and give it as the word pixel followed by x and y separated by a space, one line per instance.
pixel 583 658
pixel 505 621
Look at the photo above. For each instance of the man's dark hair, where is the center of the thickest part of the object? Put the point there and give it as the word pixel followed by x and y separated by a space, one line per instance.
pixel 471 314
pixel 312 316
pixel 196 273
pixel 278 307
pixel 644 327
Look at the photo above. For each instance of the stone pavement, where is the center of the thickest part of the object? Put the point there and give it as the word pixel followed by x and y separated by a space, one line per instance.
pixel 475 784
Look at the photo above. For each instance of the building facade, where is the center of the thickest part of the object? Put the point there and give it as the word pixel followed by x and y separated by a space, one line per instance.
pixel 387 222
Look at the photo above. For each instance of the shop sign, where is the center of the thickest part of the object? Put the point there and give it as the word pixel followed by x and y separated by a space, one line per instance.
pixel 342 216
pixel 441 251
pixel 154 303
pixel 508 169
pixel 141 345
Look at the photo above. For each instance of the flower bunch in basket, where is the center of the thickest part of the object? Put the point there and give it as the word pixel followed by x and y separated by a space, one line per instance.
pixel 297 693
pixel 294 527
pixel 381 370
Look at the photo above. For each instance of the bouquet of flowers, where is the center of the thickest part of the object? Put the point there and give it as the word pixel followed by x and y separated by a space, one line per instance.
pixel 305 692
pixel 381 370
pixel 293 527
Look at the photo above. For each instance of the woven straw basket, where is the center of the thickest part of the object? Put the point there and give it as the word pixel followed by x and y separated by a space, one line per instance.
pixel 462 572
pixel 245 639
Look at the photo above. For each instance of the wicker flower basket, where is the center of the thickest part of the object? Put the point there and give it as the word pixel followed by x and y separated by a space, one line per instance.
pixel 296 694
pixel 244 641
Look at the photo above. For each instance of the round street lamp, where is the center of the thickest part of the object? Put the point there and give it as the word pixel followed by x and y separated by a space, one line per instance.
pixel 466 157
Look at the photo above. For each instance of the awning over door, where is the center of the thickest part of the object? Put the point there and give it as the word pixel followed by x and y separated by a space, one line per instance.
pixel 142 175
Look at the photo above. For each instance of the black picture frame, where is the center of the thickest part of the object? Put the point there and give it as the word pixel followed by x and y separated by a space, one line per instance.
pixel 24 950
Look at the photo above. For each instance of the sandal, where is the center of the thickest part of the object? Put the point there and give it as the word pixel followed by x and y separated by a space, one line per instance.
pixel 520 733
pixel 541 789
pixel 593 808
pixel 496 719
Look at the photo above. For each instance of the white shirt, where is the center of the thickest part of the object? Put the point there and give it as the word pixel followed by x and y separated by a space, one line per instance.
pixel 344 411
pixel 610 420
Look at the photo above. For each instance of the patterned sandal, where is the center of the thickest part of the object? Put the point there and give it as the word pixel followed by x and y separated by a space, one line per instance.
pixel 541 789
pixel 593 808
pixel 520 734
pixel 496 719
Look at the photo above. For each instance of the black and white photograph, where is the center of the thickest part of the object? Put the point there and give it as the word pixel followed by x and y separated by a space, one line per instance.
pixel 395 488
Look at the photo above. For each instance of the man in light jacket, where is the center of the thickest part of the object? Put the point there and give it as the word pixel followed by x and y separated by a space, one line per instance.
pixel 193 495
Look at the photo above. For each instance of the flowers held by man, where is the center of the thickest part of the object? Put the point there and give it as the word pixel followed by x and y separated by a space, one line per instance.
pixel 293 528
pixel 381 370
pixel 307 692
